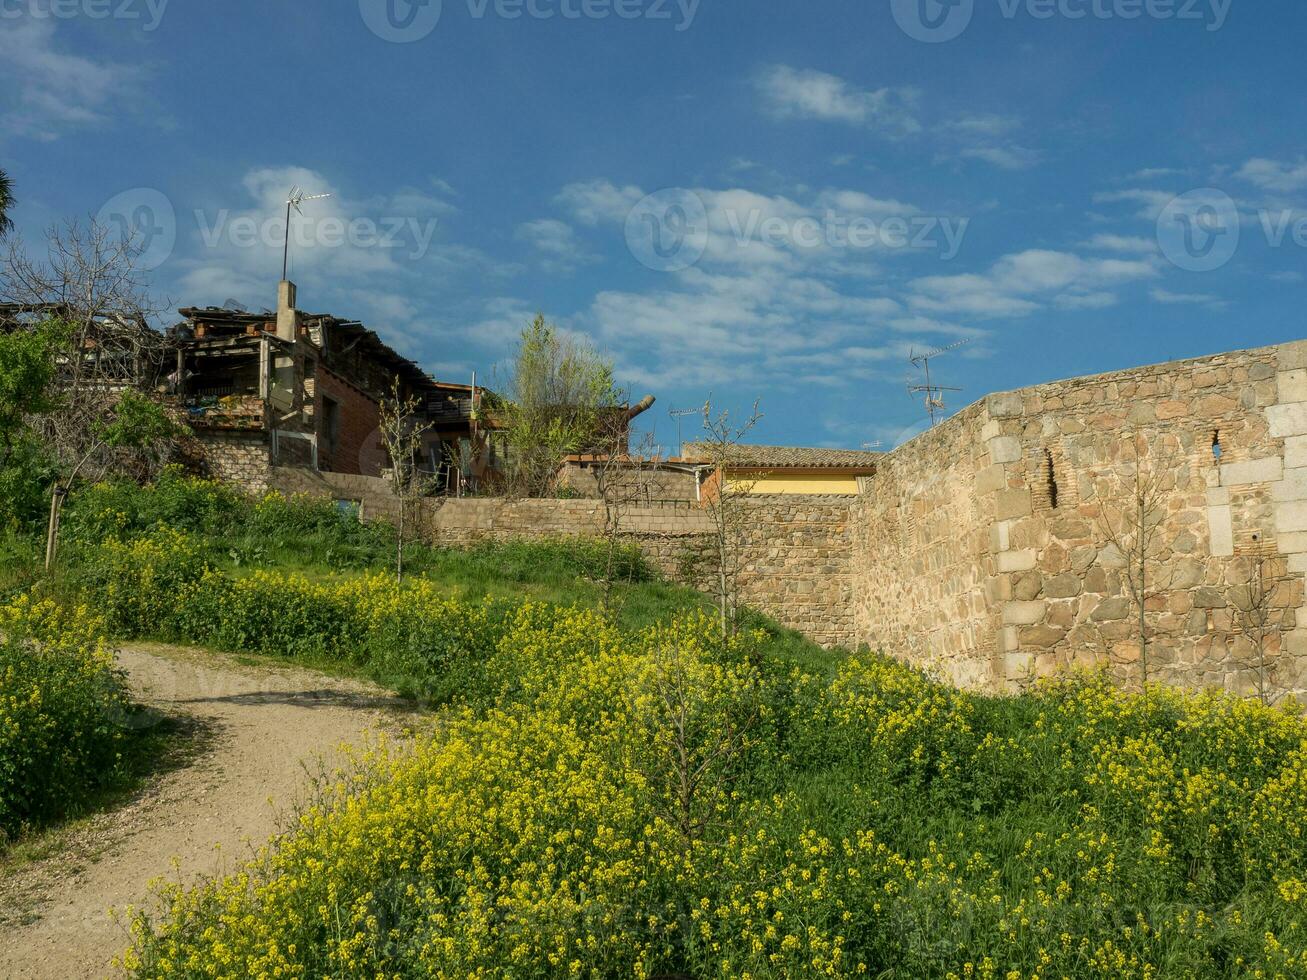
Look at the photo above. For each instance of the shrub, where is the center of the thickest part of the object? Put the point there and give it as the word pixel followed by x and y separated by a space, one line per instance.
pixel 125 510
pixel 138 584
pixel 62 712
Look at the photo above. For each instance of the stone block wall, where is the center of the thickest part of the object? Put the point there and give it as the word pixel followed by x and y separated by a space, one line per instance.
pixel 371 493
pixel 239 458
pixel 1014 573
pixel 796 552
pixel 921 563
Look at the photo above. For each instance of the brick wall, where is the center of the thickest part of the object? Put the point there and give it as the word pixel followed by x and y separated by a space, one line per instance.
pixel 358 449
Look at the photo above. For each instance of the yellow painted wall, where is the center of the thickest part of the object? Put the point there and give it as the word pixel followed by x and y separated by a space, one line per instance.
pixel 798 484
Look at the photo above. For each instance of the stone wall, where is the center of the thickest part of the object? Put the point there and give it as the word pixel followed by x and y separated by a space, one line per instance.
pixel 795 551
pixel 371 493
pixel 921 560
pixel 1010 571
pixel 239 458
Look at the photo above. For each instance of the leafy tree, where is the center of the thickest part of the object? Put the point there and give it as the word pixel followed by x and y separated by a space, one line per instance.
pixel 93 417
pixel 27 365
pixel 559 398
pixel 6 203
pixel 134 422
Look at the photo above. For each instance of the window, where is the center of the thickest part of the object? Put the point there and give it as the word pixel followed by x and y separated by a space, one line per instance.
pixel 331 423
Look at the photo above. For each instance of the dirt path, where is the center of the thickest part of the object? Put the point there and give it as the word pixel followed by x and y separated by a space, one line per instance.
pixel 259 732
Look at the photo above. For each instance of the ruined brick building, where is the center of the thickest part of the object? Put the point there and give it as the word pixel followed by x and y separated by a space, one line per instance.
pixel 294 389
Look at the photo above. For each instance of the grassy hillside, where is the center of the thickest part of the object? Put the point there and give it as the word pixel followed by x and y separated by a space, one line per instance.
pixel 622 794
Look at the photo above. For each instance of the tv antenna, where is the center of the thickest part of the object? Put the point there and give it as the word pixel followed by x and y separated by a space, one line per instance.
pixel 679 414
pixel 296 198
pixel 873 445
pixel 934 393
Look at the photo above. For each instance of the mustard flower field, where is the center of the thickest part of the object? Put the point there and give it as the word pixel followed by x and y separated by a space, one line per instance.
pixel 602 800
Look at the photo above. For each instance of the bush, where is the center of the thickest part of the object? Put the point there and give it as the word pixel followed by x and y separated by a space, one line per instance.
pixel 126 510
pixel 62 712
pixel 139 585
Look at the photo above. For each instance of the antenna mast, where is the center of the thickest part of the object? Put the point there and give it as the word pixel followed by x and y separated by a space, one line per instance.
pixel 679 414
pixel 934 393
pixel 296 198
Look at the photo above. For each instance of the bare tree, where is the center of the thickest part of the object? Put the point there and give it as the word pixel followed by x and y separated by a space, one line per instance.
pixel 724 501
pixel 1131 517
pixel 90 286
pixel 1254 603
pixel 402 432
pixel 691 741
pixel 622 474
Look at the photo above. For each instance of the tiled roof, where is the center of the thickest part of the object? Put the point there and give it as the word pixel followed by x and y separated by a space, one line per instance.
pixel 791 457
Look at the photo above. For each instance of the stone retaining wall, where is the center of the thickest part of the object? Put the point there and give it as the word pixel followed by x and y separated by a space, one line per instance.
pixel 990 535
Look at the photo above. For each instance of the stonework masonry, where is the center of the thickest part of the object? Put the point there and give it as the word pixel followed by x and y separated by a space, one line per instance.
pixel 981 548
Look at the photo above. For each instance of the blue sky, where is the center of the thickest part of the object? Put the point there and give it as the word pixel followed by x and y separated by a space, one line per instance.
pixel 764 199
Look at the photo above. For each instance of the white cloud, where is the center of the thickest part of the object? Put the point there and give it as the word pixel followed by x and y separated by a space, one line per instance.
pixel 802 93
pixel 1019 284
pixel 555 242
pixel 1197 299
pixel 1123 243
pixel 1153 173
pixel 1274 175
pixel 52 91
pixel 598 201
pixel 1004 157
pixel 368 258
pixel 1151 202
